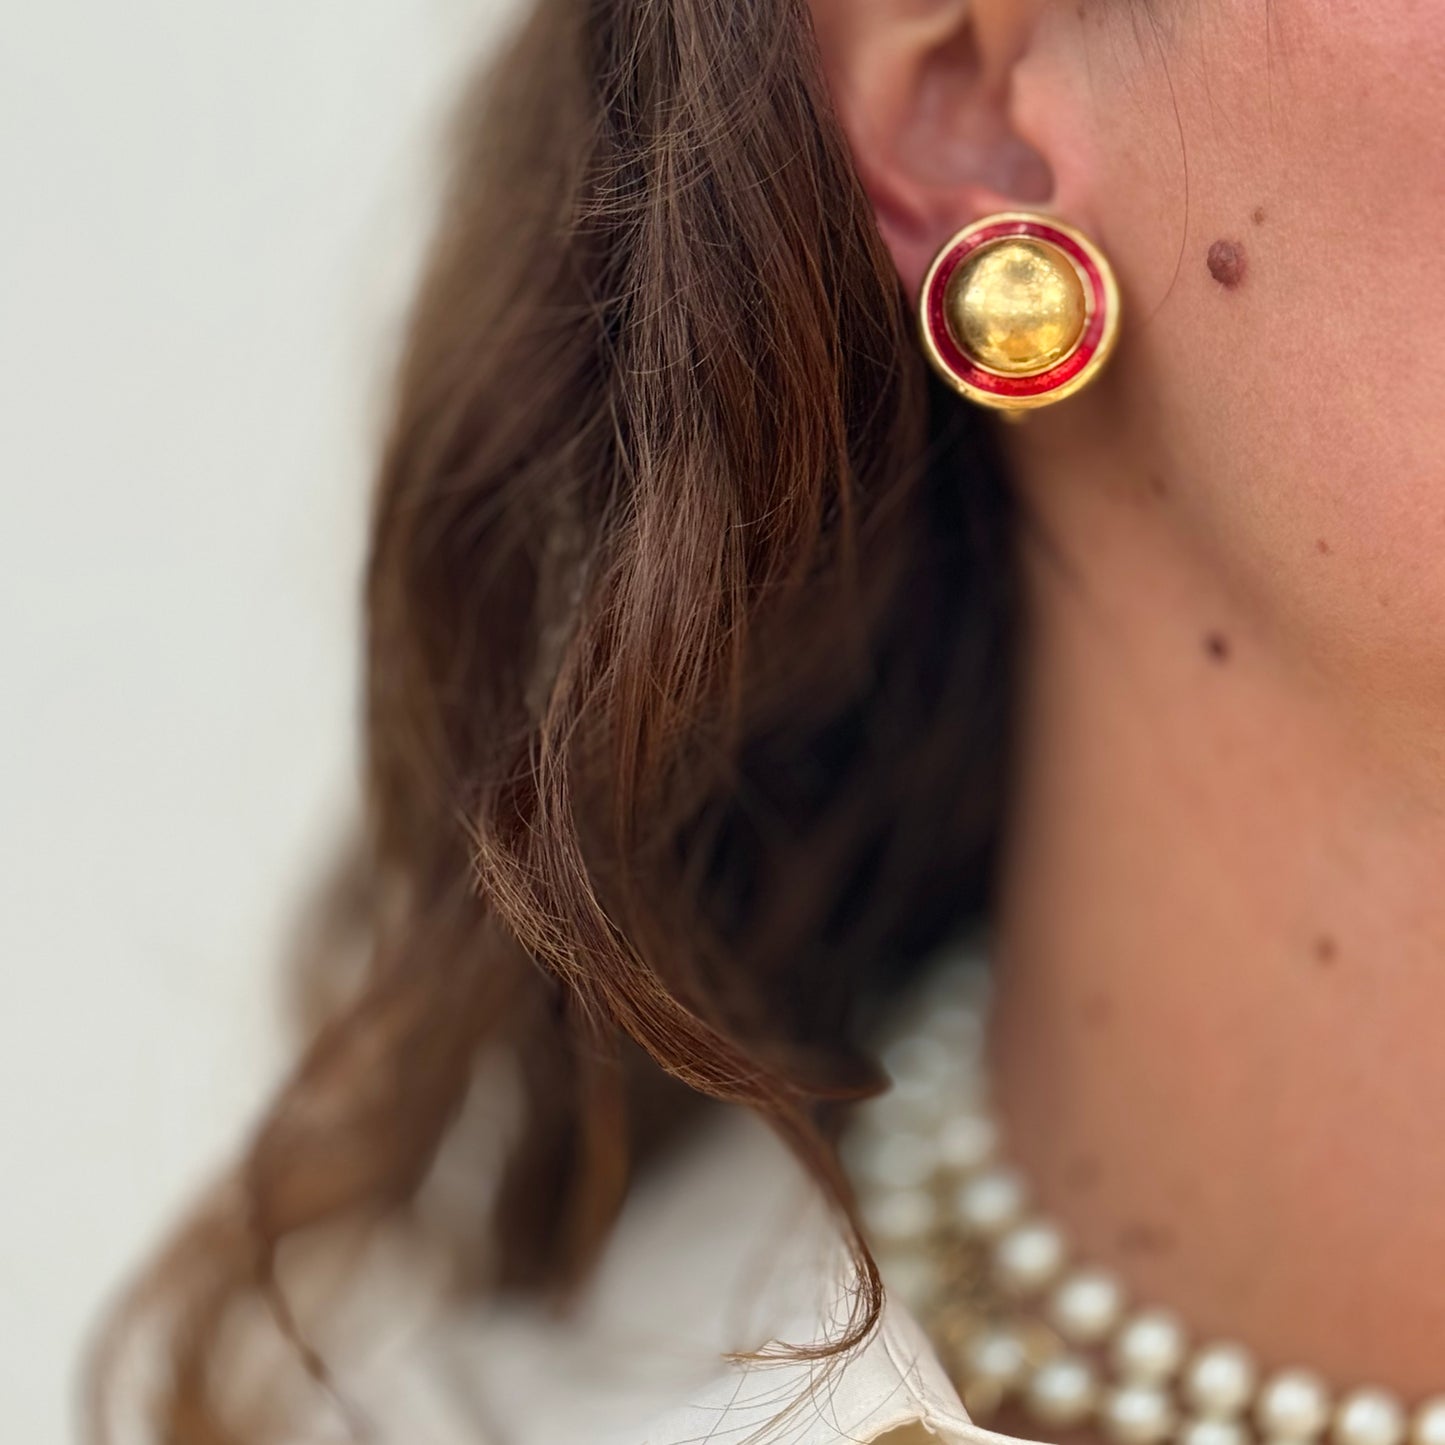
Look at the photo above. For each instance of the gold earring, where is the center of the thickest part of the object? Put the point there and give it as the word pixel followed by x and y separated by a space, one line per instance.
pixel 1019 311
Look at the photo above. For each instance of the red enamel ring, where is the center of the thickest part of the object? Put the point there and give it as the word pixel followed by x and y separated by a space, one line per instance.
pixel 1061 377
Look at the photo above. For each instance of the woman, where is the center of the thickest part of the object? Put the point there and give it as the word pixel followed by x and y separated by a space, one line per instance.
pixel 721 679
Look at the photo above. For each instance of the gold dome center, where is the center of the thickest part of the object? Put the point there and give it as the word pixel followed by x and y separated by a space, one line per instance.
pixel 1016 307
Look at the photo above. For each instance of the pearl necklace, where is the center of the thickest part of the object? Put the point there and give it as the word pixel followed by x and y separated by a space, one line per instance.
pixel 1014 1319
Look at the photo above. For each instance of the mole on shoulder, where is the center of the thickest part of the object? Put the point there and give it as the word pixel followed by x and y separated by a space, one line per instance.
pixel 1257 215
pixel 1216 647
pixel 1226 263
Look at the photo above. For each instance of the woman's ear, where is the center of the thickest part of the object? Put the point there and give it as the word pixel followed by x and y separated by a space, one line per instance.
pixel 923 90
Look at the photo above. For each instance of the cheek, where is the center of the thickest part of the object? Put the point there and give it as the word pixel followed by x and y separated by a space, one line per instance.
pixel 1270 178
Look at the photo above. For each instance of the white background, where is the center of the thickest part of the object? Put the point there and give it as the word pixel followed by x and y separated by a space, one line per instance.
pixel 210 214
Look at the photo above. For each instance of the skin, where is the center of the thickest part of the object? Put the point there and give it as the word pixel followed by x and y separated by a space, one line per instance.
pixel 1220 1049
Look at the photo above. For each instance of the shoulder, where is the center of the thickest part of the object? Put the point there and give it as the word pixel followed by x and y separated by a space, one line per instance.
pixel 728 1250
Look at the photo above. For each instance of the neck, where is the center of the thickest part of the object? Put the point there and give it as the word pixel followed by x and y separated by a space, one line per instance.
pixel 1221 951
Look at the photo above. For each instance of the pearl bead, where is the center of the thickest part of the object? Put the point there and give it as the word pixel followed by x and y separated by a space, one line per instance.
pixel 1212 1432
pixel 900 1216
pixel 916 1061
pixel 893 1160
pixel 1428 1426
pixel 1150 1348
pixel 1062 1392
pixel 1029 1257
pixel 902 1111
pixel 959 1027
pixel 996 1357
pixel 1369 1417
pixel 966 1142
pixel 1137 1415
pixel 1087 1306
pixel 990 1202
pixel 1219 1380
pixel 1293 1405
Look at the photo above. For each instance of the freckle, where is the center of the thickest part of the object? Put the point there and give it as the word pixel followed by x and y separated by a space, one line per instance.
pixel 1326 951
pixel 1226 263
pixel 1216 647
pixel 1158 485
pixel 1323 547
pixel 1257 216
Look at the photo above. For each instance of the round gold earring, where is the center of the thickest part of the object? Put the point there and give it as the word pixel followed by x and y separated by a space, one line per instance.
pixel 1019 311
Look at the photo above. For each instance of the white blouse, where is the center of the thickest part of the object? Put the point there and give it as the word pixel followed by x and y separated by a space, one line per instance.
pixel 727 1247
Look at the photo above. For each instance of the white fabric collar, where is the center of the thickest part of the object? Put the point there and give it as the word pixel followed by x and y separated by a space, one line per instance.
pixel 728 1247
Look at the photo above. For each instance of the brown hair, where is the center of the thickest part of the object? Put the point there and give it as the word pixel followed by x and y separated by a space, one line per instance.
pixel 689 623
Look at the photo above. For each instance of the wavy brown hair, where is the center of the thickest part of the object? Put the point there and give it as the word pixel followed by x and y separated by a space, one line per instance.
pixel 689 619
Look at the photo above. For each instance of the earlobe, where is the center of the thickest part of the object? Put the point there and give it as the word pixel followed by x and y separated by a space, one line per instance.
pixel 922 88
